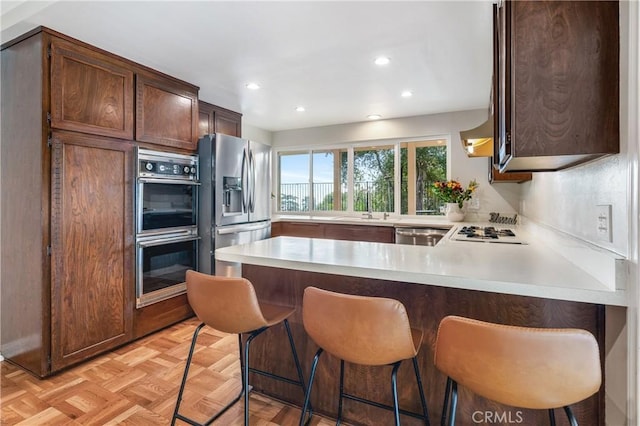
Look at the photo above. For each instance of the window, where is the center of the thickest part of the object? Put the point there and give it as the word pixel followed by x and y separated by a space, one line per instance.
pixel 422 163
pixel 390 177
pixel 294 182
pixel 373 177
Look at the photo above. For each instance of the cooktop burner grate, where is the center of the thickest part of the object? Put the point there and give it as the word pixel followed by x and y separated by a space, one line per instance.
pixel 486 234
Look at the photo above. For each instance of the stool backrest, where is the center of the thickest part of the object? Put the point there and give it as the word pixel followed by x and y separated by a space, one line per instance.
pixel 537 368
pixel 359 329
pixel 224 303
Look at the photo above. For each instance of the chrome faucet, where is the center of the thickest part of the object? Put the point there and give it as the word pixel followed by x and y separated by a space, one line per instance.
pixel 369 212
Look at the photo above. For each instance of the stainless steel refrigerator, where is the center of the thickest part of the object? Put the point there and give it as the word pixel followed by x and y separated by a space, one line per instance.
pixel 235 197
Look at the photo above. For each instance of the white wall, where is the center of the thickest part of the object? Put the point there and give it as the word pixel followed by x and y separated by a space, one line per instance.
pixel 501 197
pixel 256 134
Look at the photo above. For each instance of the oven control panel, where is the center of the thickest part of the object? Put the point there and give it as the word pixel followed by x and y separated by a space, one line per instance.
pixel 159 164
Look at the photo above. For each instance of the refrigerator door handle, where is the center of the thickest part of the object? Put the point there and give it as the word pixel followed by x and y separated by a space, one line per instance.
pixel 242 228
pixel 244 177
pixel 252 173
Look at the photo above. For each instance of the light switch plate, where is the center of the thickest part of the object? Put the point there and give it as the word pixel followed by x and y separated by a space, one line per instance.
pixel 603 216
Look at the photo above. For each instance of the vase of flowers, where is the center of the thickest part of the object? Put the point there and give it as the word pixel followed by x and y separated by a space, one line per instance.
pixel 453 194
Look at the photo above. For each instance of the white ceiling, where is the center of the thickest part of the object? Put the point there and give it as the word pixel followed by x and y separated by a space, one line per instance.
pixel 316 54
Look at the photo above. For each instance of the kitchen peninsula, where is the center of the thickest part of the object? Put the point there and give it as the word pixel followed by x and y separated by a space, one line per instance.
pixel 527 285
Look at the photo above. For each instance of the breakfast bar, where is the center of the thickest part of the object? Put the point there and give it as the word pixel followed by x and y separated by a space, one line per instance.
pixel 526 285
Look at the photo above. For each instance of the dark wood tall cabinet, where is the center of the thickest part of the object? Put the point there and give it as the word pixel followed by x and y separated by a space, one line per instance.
pixel 72 116
pixel 92 290
pixel 556 73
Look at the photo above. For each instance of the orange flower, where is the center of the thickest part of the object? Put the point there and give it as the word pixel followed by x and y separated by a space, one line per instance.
pixel 452 191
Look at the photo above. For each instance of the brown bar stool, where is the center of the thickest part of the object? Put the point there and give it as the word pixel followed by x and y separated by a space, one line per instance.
pixel 231 306
pixel 361 330
pixel 537 368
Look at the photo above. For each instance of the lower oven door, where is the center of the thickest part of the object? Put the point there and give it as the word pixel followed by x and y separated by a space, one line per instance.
pixel 162 263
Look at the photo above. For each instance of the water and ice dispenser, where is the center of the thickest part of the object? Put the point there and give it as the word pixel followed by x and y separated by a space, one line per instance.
pixel 232 195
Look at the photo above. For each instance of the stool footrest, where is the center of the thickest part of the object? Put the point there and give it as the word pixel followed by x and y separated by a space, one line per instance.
pixel 212 418
pixel 275 376
pixel 383 406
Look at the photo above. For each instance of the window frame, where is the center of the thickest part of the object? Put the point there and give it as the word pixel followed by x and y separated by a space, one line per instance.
pixel 350 147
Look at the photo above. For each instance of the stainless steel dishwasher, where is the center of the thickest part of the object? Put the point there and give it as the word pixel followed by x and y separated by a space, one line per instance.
pixel 420 236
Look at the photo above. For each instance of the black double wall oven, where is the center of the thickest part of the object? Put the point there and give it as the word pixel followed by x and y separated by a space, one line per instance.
pixel 166 223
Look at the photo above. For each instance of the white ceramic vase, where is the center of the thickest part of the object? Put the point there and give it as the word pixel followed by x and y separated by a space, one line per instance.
pixel 453 212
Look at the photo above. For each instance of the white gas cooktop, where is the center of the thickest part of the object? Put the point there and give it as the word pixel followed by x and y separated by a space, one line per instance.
pixel 486 234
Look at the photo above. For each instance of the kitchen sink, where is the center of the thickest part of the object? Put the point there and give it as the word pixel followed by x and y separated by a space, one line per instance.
pixel 420 236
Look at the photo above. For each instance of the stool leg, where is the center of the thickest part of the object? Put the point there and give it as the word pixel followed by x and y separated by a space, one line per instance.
pixel 186 372
pixel 241 359
pixel 295 357
pixel 570 416
pixel 454 403
pixel 245 374
pixel 423 401
pixel 307 397
pixel 445 406
pixel 394 392
pixel 339 420
pixel 297 362
pixel 552 417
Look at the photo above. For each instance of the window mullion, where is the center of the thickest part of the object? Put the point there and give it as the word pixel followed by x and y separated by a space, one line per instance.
pixel 310 203
pixel 397 177
pixel 350 183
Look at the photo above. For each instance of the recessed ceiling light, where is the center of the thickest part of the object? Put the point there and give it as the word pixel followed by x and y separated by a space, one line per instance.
pixel 381 60
pixel 407 94
pixel 374 117
pixel 253 86
pixel 300 109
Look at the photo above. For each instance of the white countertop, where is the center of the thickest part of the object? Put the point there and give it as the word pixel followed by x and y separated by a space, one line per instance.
pixel 533 269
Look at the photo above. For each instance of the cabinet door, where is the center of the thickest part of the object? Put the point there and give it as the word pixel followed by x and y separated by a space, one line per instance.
pixel 557 78
pixel 92 289
pixel 90 92
pixel 214 119
pixel 166 113
pixel 502 75
pixel 374 234
pixel 299 229
pixel 227 122
pixel 205 120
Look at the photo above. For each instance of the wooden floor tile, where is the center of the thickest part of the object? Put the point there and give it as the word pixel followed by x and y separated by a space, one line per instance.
pixel 138 384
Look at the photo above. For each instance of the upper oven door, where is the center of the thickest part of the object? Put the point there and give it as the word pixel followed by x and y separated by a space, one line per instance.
pixel 164 205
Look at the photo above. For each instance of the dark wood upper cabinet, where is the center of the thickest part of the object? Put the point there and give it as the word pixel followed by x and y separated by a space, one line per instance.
pixel 557 83
pixel 92 289
pixel 214 119
pixel 166 112
pixel 90 92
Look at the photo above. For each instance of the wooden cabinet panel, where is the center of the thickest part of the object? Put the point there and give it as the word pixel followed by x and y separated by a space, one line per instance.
pixel 166 113
pixel 558 83
pixel 92 247
pixel 337 231
pixel 374 234
pixel 203 122
pixel 298 229
pixel 90 92
pixel 227 122
pixel 214 119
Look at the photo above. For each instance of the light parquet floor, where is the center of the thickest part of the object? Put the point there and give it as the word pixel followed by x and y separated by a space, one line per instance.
pixel 138 384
